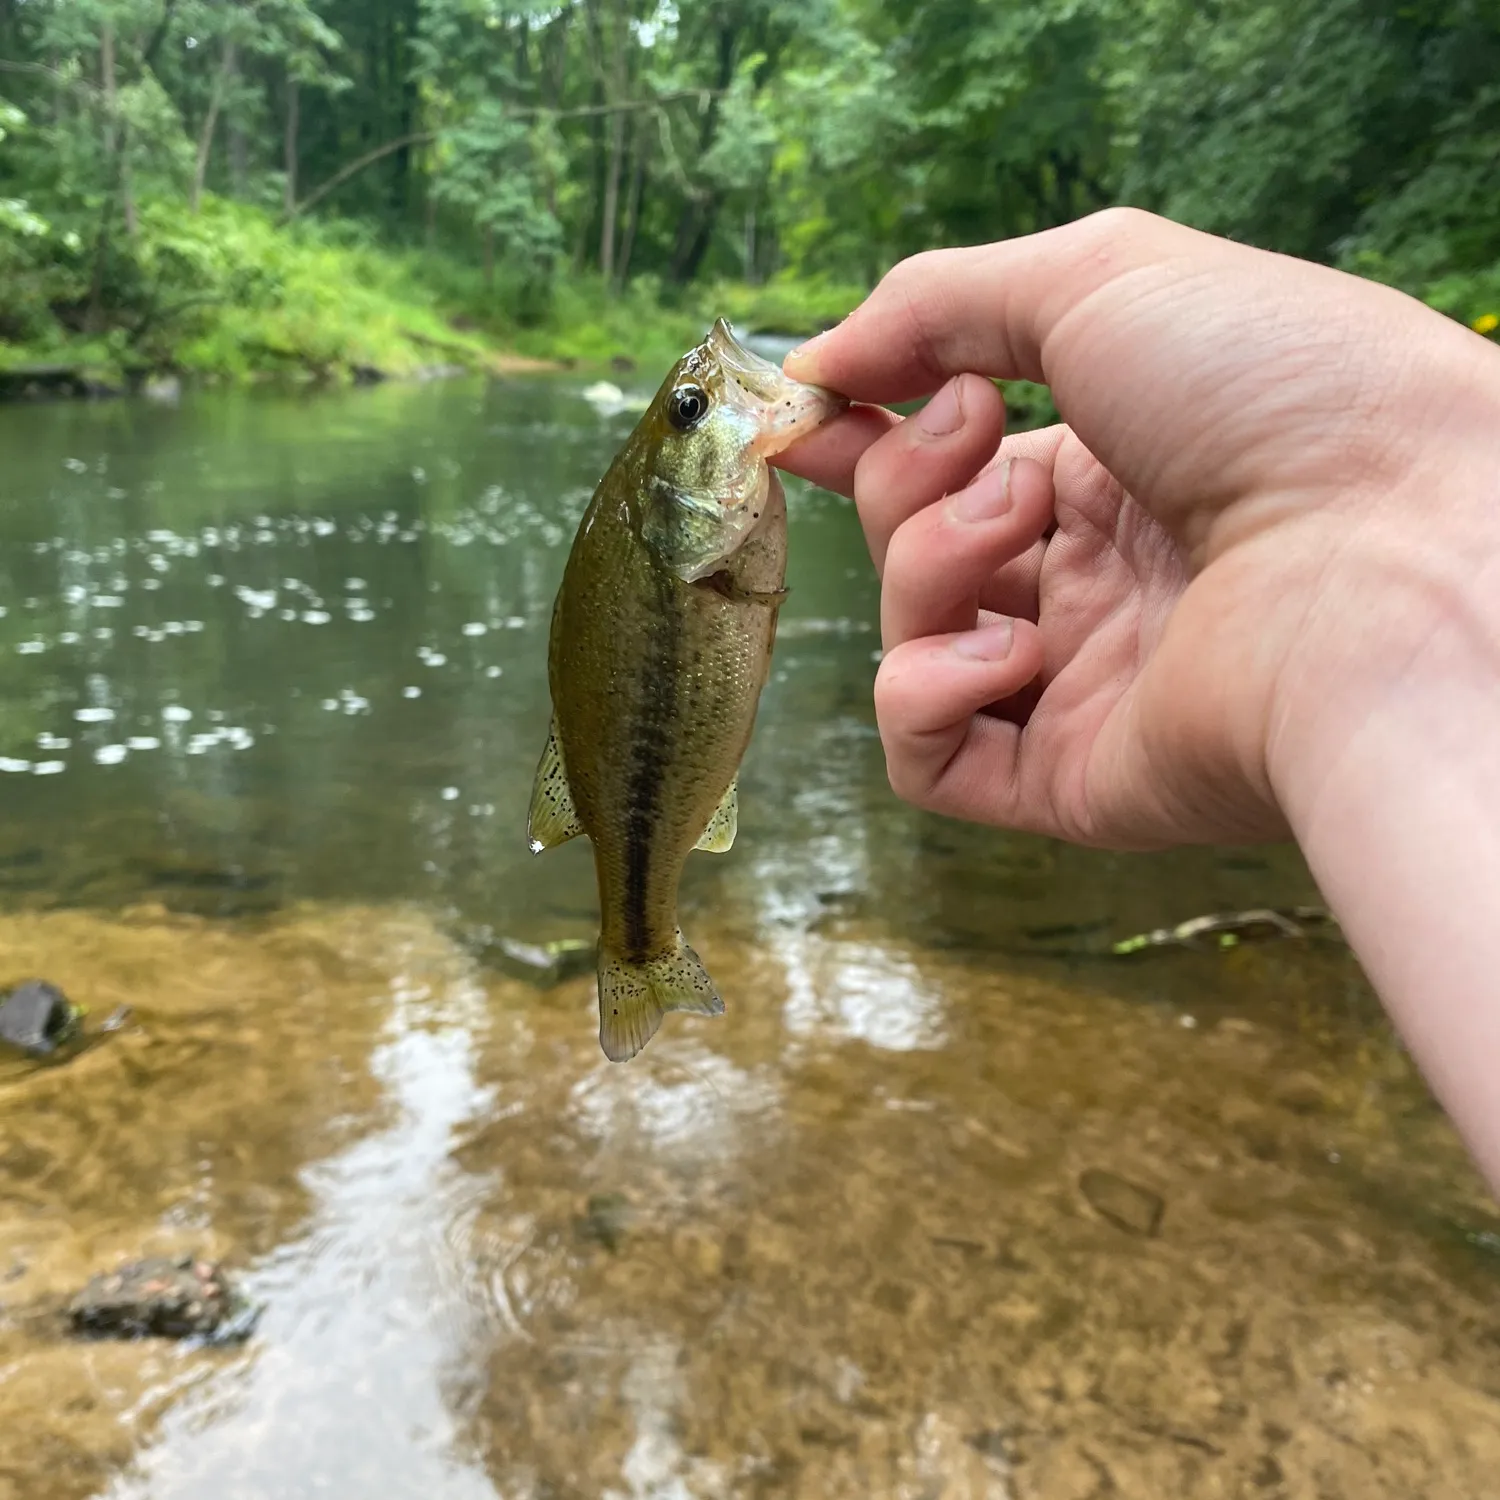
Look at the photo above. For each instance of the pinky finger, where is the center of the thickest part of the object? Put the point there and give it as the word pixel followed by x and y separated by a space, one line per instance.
pixel 941 751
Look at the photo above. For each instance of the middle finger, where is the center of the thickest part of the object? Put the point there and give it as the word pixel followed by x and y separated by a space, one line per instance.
pixel 941 560
pixel 929 455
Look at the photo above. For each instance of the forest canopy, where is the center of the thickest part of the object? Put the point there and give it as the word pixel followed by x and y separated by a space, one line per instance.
pixel 162 161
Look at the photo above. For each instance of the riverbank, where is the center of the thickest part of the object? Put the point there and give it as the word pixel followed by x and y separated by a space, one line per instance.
pixel 229 297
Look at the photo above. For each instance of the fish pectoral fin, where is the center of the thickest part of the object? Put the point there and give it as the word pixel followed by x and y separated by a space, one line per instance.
pixel 552 819
pixel 719 835
pixel 633 997
pixel 723 583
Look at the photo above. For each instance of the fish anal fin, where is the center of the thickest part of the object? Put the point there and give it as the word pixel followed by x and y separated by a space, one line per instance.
pixel 633 997
pixel 719 835
pixel 552 820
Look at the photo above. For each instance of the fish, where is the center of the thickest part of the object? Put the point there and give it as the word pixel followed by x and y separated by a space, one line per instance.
pixel 660 644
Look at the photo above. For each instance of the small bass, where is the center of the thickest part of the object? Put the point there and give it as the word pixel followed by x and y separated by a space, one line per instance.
pixel 661 643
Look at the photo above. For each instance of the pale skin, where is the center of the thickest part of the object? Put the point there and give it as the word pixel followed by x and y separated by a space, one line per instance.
pixel 1250 589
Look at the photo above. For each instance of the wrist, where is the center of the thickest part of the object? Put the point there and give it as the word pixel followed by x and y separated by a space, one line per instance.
pixel 1402 582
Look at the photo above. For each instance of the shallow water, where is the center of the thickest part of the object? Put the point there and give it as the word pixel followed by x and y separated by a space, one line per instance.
pixel 271 693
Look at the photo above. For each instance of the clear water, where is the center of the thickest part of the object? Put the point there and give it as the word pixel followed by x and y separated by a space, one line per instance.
pixel 272 689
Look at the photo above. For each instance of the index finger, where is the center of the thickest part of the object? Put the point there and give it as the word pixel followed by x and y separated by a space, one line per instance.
pixel 989 309
pixel 828 454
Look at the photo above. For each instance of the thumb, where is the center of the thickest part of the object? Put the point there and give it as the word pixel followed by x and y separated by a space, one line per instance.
pixel 987 309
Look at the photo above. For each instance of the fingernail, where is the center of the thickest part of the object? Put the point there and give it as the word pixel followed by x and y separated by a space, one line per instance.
pixel 992 643
pixel 987 497
pixel 804 352
pixel 943 414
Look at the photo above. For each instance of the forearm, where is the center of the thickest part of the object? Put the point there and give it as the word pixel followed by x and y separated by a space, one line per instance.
pixel 1404 841
pixel 1390 779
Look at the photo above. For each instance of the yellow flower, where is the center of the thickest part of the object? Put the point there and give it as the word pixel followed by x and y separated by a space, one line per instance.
pixel 1485 323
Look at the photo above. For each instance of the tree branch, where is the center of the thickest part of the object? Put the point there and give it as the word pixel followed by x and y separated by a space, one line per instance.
pixel 344 173
pixel 41 70
pixel 422 137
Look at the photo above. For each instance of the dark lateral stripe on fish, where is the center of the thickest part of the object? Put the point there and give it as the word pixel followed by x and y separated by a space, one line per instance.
pixel 650 758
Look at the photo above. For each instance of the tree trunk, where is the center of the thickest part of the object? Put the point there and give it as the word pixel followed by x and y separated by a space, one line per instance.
pixel 289 147
pixel 107 83
pixel 116 133
pixel 616 86
pixel 599 126
pixel 611 195
pixel 239 142
pixel 695 228
pixel 489 257
pixel 642 140
pixel 210 120
pixel 113 133
pixel 693 245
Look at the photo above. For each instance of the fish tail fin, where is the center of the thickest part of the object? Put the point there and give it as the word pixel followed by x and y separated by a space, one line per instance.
pixel 633 997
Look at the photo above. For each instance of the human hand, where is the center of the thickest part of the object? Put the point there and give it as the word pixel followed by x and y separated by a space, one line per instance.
pixel 1185 602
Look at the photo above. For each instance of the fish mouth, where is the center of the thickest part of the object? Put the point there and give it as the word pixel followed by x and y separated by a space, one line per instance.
pixel 786 409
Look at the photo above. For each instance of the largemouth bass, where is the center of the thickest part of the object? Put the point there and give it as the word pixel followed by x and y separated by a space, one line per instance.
pixel 661 643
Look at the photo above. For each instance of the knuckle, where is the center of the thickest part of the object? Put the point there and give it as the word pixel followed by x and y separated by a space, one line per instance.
pixel 872 470
pixel 1121 221
pixel 899 556
pixel 906 779
pixel 915 270
pixel 1121 234
pixel 916 287
pixel 888 691
pixel 905 768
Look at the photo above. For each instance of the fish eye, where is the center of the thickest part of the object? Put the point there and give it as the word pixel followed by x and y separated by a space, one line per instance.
pixel 688 407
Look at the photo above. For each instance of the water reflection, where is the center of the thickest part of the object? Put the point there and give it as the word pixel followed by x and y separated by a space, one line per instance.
pixel 861 991
pixel 343 1390
pixel 271 693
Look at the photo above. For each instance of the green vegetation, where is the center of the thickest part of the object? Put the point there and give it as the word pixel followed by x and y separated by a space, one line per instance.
pixel 230 187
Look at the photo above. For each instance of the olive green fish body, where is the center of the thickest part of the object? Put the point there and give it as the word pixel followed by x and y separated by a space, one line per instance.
pixel 655 682
pixel 661 643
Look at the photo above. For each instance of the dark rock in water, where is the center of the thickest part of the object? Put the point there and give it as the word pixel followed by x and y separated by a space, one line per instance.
pixel 605 1220
pixel 1136 1210
pixel 32 381
pixel 366 374
pixel 37 1017
pixel 544 964
pixel 621 364
pixel 162 1298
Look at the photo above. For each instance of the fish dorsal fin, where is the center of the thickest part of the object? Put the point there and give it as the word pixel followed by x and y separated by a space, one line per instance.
pixel 553 820
pixel 719 834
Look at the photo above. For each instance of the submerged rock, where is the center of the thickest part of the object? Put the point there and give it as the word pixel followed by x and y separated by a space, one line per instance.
pixel 609 400
pixel 37 1017
pixel 604 1221
pixel 166 389
pixel 162 1298
pixel 544 964
pixel 1136 1210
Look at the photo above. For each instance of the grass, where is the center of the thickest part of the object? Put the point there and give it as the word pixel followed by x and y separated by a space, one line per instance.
pixel 229 296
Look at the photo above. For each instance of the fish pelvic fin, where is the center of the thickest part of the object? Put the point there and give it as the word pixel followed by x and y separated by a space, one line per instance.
pixel 633 997
pixel 553 819
pixel 719 835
